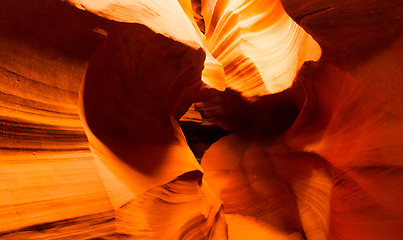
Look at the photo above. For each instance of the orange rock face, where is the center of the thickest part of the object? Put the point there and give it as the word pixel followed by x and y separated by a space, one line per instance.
pixel 201 119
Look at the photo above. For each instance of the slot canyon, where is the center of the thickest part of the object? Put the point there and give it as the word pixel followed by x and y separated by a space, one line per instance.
pixel 201 119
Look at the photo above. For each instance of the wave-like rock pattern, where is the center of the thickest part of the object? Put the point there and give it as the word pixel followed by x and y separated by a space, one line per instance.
pixel 356 129
pixel 258 44
pixel 287 193
pixel 54 183
pixel 49 180
pixel 349 121
pixel 91 93
pixel 182 209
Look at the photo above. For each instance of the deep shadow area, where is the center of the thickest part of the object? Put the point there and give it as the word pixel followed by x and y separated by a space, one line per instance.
pixel 200 137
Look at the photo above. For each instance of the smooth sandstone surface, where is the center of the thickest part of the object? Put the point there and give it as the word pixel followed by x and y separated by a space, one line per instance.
pixel 94 96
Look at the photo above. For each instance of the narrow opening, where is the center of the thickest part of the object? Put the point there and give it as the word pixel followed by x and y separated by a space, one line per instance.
pixel 197 6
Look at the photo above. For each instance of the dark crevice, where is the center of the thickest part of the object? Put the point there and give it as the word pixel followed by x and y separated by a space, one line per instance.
pixel 188 176
pixel 200 137
pixel 197 6
pixel 89 220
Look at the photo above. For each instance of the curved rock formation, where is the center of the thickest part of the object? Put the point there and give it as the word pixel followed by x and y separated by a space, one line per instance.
pixel 93 95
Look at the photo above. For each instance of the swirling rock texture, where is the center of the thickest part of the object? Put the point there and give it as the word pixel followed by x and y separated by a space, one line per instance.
pixel 201 119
